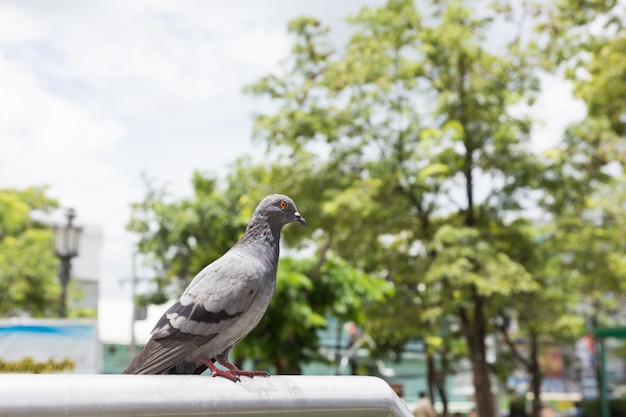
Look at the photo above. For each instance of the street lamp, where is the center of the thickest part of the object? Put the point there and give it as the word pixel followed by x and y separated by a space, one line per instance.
pixel 66 248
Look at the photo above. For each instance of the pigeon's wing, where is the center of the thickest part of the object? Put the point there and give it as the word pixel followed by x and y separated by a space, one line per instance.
pixel 217 296
pixel 159 355
pixel 213 301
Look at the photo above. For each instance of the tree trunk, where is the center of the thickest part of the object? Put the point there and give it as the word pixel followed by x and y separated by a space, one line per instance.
pixel 441 384
pixel 474 330
pixel 437 381
pixel 535 375
pixel 430 375
pixel 530 364
pixel 444 399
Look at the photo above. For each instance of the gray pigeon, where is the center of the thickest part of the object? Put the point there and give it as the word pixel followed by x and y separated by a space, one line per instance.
pixel 223 303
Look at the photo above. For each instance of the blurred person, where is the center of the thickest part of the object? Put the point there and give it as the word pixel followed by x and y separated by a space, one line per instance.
pixel 424 407
pixel 579 409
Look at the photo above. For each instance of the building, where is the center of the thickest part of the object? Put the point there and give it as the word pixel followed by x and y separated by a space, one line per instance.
pixel 86 270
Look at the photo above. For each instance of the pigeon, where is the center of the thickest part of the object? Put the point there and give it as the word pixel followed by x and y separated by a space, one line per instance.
pixel 223 303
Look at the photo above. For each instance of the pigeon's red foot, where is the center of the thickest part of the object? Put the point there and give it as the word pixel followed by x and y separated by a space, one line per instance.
pixel 234 369
pixel 233 373
pixel 215 371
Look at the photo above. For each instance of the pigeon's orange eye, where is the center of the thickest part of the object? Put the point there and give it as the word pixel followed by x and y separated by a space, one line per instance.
pixel 283 204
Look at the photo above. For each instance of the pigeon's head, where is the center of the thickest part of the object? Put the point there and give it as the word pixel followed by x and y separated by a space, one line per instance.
pixel 279 209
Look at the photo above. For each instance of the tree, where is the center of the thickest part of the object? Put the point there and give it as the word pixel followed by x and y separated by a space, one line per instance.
pixel 538 247
pixel 28 280
pixel 587 40
pixel 414 113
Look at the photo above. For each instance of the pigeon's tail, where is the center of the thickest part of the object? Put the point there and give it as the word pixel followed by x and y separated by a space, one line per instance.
pixel 145 363
pixel 167 355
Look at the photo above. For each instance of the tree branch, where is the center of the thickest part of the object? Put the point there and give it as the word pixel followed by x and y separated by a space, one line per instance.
pixel 315 273
pixel 511 345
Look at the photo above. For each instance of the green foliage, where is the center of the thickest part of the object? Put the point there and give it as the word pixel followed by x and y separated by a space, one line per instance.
pixel 28 267
pixel 286 337
pixel 604 90
pixel 467 261
pixel 585 176
pixel 593 408
pixel 571 31
pixel 350 289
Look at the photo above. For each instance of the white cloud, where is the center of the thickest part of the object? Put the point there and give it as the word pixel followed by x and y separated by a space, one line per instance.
pixel 44 134
pixel 50 123
pixel 17 25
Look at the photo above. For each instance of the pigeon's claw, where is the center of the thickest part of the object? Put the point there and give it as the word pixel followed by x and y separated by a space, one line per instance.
pixel 235 370
pixel 215 371
pixel 226 374
pixel 252 374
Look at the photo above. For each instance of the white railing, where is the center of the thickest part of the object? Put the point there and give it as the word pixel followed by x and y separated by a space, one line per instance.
pixel 177 395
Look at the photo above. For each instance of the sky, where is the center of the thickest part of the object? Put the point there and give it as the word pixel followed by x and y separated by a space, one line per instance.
pixel 93 94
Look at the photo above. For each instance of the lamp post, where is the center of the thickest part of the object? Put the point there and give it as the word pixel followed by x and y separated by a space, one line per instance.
pixel 66 248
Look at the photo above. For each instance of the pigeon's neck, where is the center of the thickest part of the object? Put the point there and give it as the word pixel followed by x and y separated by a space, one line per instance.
pixel 261 232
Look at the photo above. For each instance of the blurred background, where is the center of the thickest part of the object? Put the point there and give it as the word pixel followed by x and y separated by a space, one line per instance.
pixel 460 165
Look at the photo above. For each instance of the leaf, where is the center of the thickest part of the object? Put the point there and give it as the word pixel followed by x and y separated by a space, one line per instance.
pixel 434 169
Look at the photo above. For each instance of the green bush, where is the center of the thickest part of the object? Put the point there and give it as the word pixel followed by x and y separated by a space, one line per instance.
pixel 617 406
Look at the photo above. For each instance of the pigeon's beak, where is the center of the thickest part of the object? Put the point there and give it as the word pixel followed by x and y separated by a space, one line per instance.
pixel 300 219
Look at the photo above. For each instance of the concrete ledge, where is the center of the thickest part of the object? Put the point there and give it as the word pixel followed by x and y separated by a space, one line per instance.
pixel 178 395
